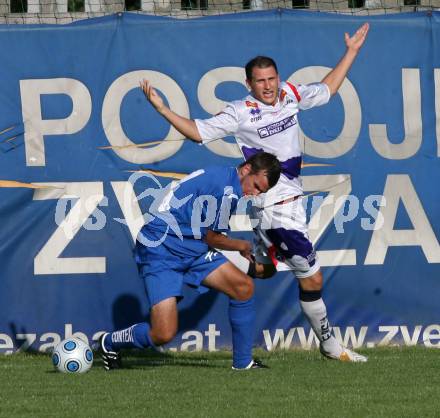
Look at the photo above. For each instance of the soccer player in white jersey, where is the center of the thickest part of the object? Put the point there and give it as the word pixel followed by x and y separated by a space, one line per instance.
pixel 267 120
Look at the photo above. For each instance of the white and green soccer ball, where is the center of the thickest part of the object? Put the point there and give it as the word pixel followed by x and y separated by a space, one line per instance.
pixel 72 355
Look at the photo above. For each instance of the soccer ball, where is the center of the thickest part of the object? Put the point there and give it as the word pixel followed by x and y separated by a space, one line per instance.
pixel 72 355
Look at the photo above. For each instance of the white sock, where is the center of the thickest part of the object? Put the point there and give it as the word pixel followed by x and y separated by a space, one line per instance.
pixel 316 314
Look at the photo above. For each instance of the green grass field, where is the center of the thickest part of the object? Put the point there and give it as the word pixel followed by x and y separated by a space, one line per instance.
pixel 396 382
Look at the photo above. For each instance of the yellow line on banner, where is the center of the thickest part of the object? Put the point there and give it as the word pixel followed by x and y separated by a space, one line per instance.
pixel 143 145
pixel 10 139
pixel 303 165
pixel 7 129
pixel 13 183
pixel 168 174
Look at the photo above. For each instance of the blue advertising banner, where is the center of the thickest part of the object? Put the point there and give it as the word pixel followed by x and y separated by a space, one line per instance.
pixel 68 203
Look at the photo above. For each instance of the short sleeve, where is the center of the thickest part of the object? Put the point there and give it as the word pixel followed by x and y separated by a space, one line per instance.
pixel 311 95
pixel 223 124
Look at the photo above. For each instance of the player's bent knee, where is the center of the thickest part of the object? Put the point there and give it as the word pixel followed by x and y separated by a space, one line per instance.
pixel 312 283
pixel 245 290
pixel 162 336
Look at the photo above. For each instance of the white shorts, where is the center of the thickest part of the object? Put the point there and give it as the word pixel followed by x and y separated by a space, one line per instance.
pixel 282 239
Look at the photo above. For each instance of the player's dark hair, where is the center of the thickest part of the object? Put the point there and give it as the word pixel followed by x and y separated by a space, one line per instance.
pixel 263 161
pixel 260 62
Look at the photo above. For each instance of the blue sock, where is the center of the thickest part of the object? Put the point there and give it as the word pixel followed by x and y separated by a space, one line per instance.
pixel 242 317
pixel 136 336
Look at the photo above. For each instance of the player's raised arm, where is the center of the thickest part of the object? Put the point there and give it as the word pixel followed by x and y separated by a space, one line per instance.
pixel 185 126
pixel 354 43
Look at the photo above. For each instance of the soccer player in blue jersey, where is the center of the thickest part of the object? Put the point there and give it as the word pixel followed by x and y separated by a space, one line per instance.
pixel 177 247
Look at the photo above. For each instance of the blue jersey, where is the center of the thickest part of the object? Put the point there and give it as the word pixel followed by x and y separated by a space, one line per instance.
pixel 204 200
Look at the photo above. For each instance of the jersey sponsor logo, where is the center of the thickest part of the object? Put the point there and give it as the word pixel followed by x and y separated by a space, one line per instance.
pixel 255 111
pixel 251 104
pixel 276 127
pixel 282 95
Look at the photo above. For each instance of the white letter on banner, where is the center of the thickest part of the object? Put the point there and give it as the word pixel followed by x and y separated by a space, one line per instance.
pixel 399 187
pixel 212 333
pixel 129 204
pixel 352 111
pixel 437 107
pixel 6 344
pixel 412 119
pixel 48 260
pixel 211 104
pixel 430 335
pixel 194 344
pixel 337 185
pixel 111 118
pixel 55 340
pixel 35 127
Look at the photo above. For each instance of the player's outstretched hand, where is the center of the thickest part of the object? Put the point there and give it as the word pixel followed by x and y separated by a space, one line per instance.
pixel 356 41
pixel 151 95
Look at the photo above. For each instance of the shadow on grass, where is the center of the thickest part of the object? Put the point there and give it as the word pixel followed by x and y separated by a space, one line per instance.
pixel 136 359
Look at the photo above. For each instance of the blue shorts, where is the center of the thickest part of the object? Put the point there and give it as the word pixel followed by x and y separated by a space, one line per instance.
pixel 164 270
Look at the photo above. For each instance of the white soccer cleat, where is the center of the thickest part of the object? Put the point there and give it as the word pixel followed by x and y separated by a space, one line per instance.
pixel 350 356
pixel 347 356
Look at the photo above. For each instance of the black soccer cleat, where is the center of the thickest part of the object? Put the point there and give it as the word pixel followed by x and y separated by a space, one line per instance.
pixel 254 364
pixel 111 359
pixel 257 364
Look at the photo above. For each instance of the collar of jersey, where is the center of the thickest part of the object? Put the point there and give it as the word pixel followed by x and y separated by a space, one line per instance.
pixel 271 107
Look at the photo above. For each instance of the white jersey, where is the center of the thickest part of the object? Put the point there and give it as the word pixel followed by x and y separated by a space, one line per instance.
pixel 260 127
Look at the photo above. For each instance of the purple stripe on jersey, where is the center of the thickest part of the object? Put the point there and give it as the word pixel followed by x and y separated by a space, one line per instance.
pixel 291 168
pixel 290 242
pixel 249 152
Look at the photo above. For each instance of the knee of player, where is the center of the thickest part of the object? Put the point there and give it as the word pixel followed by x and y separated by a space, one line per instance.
pixel 311 283
pixel 162 336
pixel 245 290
